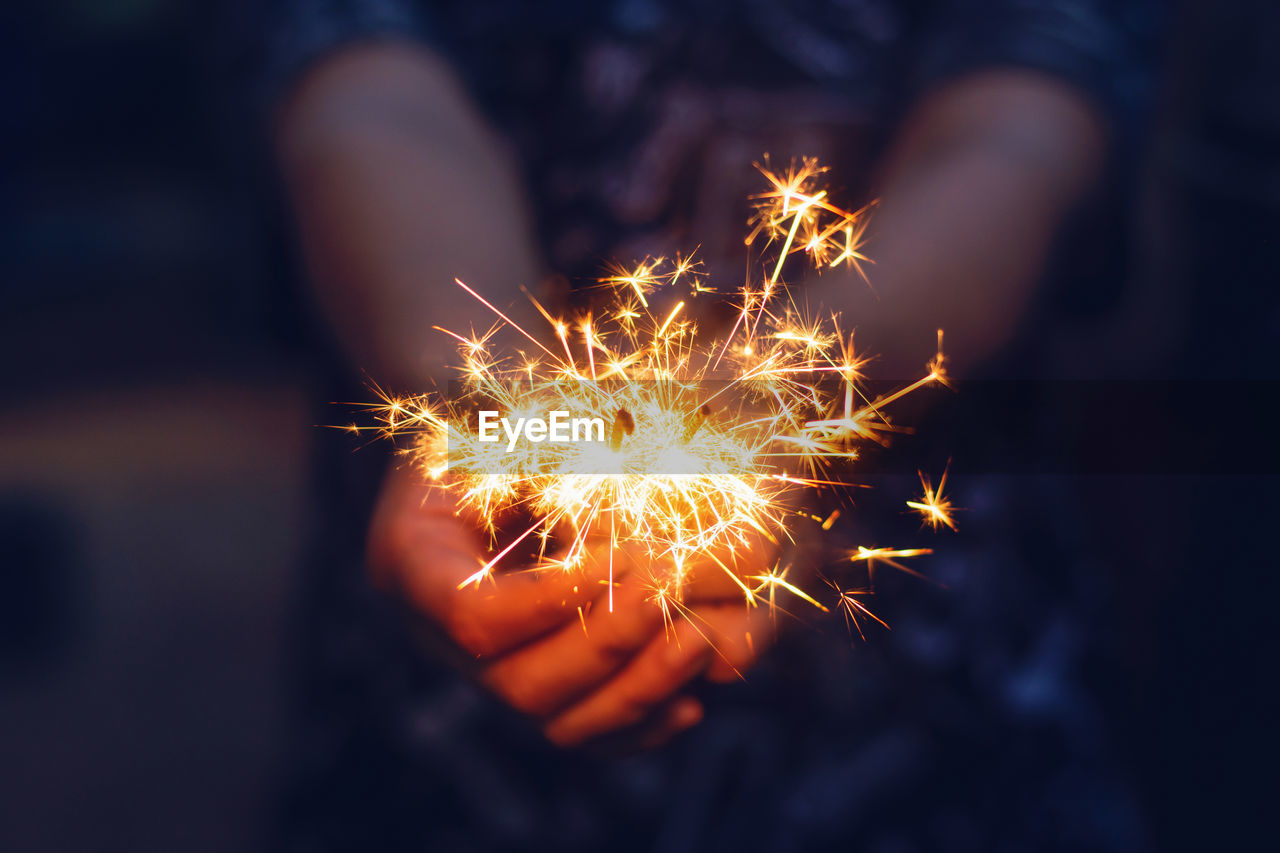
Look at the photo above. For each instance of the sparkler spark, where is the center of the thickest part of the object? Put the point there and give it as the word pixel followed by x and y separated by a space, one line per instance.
pixel 848 602
pixel 932 506
pixel 711 440
pixel 888 556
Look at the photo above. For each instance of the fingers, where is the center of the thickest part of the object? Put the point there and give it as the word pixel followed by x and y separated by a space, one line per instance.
pixel 729 572
pixel 739 634
pixel 553 647
pixel 500 613
pixel 423 552
pixel 664 665
pixel 544 676
pixel 684 713
pixel 663 724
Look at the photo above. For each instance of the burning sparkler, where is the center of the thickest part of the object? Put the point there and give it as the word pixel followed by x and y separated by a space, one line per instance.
pixel 709 439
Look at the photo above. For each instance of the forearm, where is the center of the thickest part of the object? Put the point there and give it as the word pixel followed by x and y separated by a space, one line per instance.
pixel 972 194
pixel 399 188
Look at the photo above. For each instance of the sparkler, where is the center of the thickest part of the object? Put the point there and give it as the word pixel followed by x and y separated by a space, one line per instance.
pixel 711 440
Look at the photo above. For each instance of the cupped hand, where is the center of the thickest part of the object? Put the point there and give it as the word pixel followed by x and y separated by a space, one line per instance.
pixel 554 645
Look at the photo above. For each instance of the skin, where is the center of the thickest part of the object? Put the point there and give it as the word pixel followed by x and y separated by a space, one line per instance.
pixel 521 635
pixel 972 192
pixel 372 139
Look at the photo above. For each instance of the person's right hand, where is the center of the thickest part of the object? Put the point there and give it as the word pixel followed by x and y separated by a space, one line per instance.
pixel 548 643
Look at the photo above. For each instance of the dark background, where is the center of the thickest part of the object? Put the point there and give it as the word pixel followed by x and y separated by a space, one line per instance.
pixel 156 421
